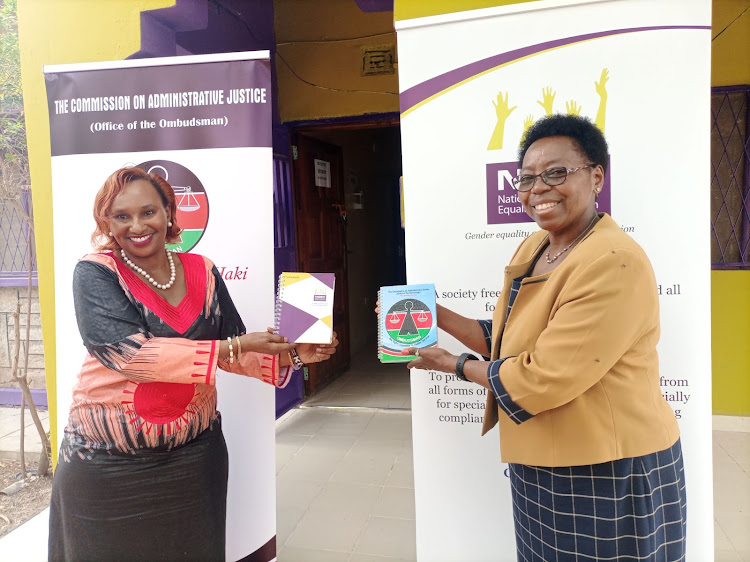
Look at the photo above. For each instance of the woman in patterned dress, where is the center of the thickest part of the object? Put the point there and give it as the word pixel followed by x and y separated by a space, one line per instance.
pixel 142 471
pixel 570 363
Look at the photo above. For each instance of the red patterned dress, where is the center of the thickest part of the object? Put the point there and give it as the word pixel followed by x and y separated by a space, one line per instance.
pixel 142 472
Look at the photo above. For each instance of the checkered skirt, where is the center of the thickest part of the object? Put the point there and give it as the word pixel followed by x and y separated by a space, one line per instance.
pixel 628 509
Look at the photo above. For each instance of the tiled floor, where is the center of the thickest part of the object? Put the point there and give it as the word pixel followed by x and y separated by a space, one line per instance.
pixel 10 433
pixel 731 452
pixel 345 486
pixel 368 383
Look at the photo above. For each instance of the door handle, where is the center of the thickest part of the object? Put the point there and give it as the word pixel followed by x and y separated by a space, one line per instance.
pixel 341 211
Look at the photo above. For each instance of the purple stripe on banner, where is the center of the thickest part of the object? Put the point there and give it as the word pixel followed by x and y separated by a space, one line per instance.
pixel 417 94
pixel 265 553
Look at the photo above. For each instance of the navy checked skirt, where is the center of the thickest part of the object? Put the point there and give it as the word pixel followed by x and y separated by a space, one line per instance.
pixel 628 509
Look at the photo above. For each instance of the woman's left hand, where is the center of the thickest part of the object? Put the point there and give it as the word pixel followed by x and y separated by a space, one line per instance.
pixel 432 359
pixel 317 352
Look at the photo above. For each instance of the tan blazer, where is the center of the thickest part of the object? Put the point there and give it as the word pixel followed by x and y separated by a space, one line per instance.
pixel 581 348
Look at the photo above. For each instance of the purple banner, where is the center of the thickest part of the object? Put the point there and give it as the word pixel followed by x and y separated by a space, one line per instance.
pixel 172 107
pixel 503 206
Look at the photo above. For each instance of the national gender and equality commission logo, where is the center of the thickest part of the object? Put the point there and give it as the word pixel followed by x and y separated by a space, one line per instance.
pixel 191 199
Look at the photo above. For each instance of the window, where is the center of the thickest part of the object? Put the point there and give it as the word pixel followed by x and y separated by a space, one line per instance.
pixel 14 244
pixel 730 181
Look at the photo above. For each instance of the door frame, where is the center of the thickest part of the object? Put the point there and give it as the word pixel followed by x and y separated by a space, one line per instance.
pixel 369 121
pixel 330 124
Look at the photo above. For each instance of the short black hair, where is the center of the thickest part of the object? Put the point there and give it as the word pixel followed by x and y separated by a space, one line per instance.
pixel 587 136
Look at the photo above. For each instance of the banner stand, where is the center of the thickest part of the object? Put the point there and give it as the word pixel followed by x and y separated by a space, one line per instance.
pixel 471 83
pixel 204 124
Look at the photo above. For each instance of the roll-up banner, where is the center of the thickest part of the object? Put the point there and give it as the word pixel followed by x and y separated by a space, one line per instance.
pixel 471 83
pixel 204 124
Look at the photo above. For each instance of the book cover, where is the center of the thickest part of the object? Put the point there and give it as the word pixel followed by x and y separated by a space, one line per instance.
pixel 304 307
pixel 407 318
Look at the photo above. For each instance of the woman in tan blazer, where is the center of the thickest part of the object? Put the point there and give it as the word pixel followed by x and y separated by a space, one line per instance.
pixel 593 448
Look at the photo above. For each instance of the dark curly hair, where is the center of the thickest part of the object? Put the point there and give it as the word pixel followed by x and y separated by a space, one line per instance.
pixel 587 137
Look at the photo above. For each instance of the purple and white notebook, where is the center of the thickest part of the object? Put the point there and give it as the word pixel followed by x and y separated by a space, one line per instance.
pixel 304 307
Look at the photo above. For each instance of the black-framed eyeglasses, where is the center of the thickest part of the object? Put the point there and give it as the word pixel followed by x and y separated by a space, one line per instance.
pixel 551 176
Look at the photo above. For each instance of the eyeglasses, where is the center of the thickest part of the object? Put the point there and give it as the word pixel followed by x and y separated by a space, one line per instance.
pixel 552 177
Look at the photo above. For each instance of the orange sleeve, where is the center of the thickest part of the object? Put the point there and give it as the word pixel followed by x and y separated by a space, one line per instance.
pixel 177 360
pixel 259 366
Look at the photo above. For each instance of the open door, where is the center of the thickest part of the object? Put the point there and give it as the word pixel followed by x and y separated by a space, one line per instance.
pixel 321 238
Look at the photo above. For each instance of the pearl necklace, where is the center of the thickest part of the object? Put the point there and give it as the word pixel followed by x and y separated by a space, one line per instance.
pixel 566 248
pixel 146 275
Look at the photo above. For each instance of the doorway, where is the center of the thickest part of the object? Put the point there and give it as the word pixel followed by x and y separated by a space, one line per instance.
pixel 352 228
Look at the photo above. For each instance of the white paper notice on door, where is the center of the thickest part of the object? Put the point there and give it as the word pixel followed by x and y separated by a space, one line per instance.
pixel 322 173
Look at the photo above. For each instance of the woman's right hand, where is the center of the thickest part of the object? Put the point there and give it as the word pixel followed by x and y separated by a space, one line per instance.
pixel 432 359
pixel 265 342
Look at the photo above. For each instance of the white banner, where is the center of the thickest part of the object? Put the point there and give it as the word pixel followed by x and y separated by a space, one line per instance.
pixel 470 84
pixel 214 147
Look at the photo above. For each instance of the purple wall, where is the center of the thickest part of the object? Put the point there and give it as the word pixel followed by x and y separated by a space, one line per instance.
pixel 12 396
pixel 214 26
pixel 375 5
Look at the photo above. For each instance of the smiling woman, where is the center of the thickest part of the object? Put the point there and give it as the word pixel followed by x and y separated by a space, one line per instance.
pixel 560 178
pixel 595 460
pixel 142 471
pixel 140 224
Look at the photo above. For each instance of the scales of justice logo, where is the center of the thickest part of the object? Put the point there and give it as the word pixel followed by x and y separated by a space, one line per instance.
pixel 409 321
pixel 191 199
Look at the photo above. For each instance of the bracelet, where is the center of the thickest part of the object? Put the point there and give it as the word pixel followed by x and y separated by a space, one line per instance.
pixel 239 347
pixel 231 353
pixel 294 361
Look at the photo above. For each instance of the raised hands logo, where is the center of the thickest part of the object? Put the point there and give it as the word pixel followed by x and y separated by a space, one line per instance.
pixel 503 110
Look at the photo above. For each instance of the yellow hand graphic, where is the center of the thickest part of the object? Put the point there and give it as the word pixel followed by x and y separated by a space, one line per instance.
pixel 548 98
pixel 572 107
pixel 501 106
pixel 600 85
pixel 502 111
pixel 602 91
pixel 526 124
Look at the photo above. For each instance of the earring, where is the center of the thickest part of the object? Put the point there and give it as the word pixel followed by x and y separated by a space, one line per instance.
pixel 110 233
pixel 169 223
pixel 598 189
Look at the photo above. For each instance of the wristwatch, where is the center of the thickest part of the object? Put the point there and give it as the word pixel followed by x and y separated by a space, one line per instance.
pixel 460 364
